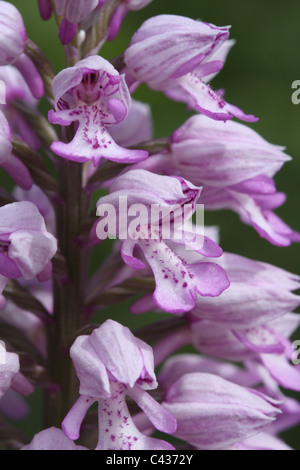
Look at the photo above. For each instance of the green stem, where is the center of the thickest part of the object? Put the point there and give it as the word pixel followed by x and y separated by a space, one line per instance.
pixel 68 292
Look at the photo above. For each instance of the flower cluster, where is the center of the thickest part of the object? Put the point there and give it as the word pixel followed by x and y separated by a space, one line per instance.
pixel 89 171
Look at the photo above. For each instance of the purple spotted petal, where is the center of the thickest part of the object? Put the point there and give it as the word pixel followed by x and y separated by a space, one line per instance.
pixel 209 102
pixel 92 140
pixel 117 430
pixel 177 283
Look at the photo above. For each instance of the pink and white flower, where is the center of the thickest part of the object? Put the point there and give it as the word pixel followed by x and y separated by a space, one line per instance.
pixel 111 363
pixel 93 94
pixel 174 54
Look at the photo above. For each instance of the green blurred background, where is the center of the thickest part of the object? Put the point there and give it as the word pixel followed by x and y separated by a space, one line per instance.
pixel 257 77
